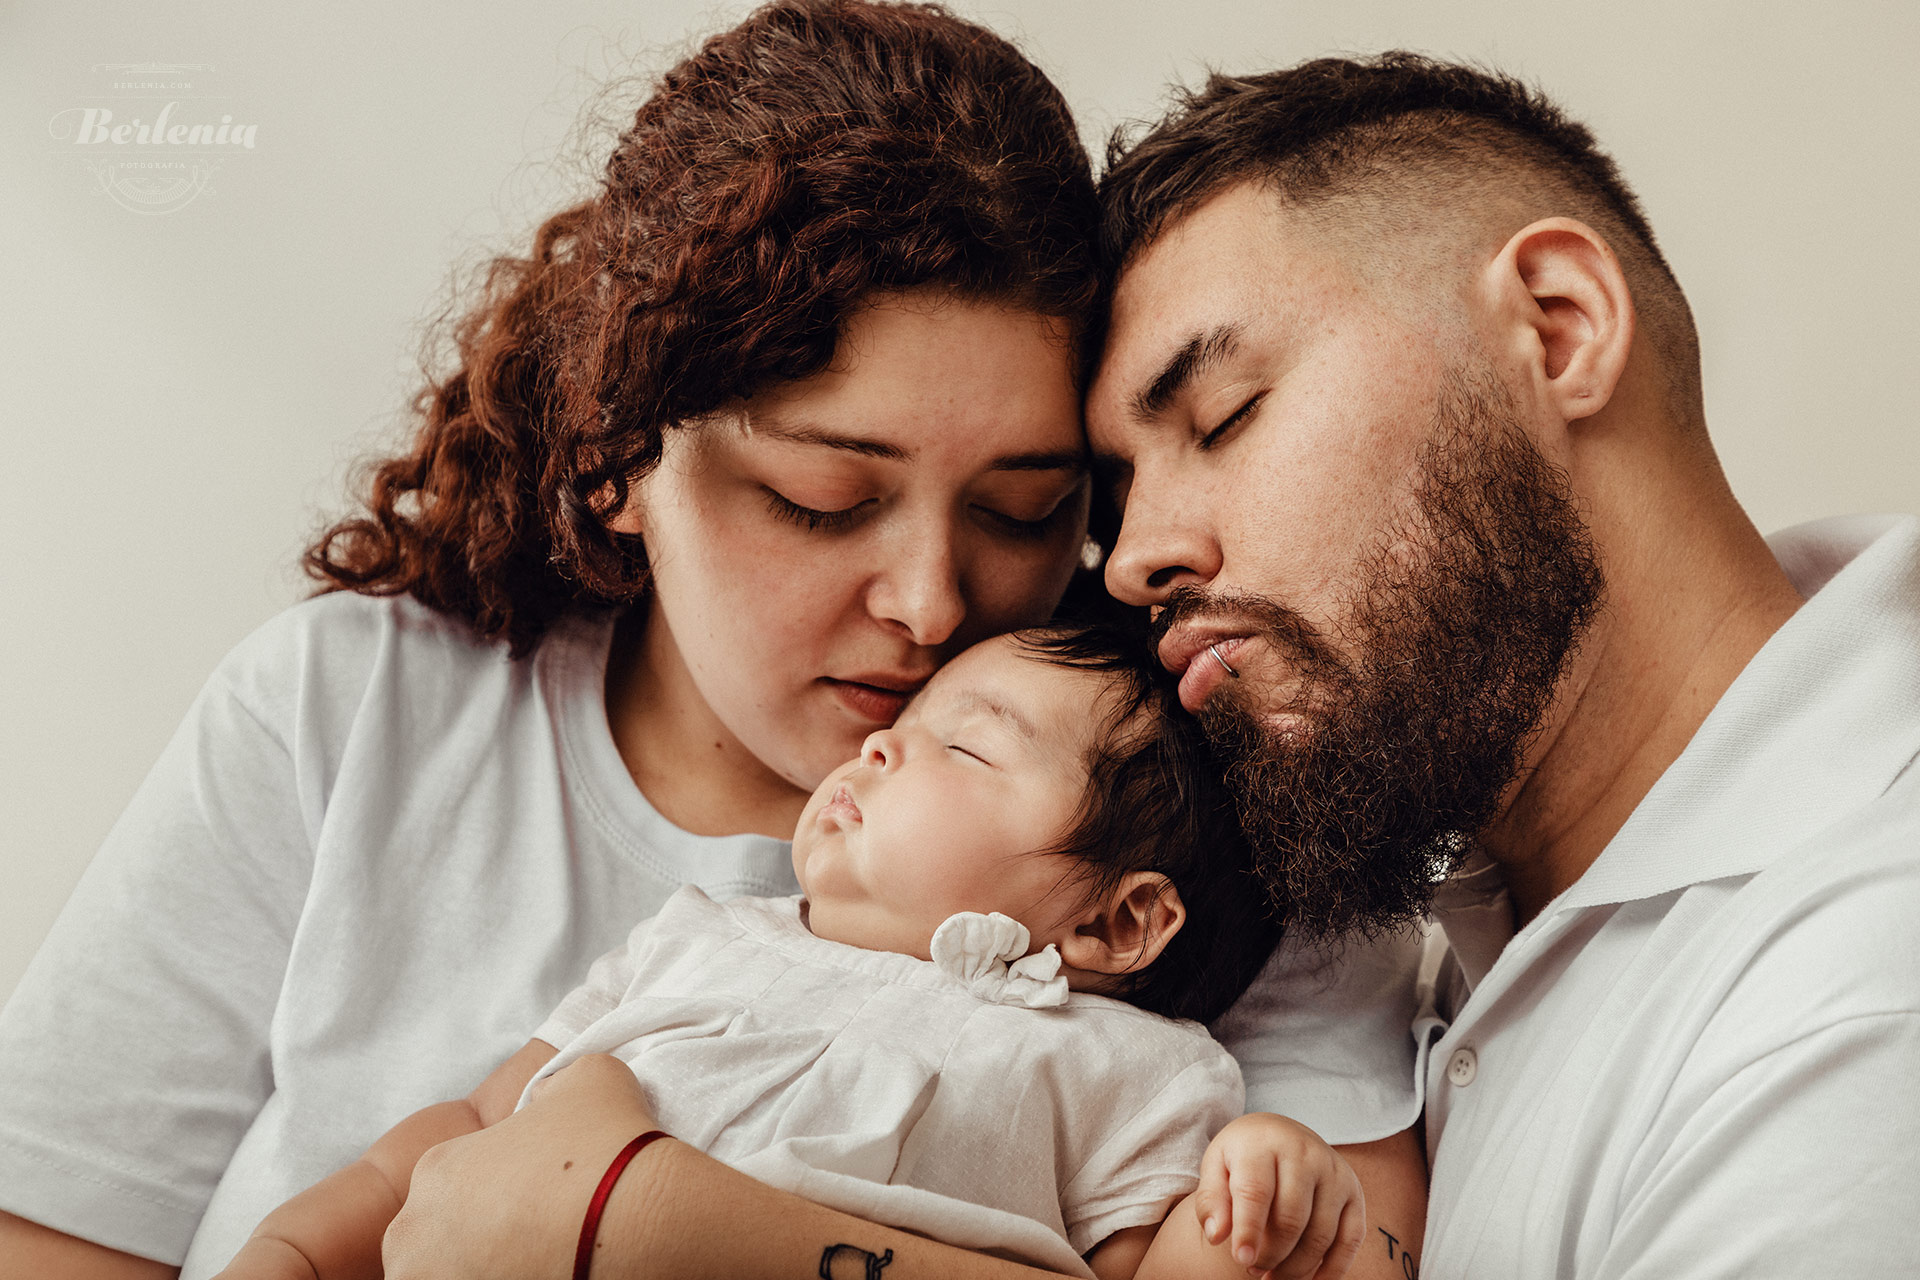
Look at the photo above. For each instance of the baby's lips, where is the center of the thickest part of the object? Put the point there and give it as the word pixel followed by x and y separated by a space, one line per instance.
pixel 840 808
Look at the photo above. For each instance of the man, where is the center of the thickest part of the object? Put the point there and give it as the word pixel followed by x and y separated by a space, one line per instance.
pixel 1403 405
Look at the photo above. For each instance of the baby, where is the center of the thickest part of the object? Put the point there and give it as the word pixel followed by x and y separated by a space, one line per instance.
pixel 980 1023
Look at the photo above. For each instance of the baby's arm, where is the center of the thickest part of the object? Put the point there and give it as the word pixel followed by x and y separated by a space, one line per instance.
pixel 333 1229
pixel 1272 1186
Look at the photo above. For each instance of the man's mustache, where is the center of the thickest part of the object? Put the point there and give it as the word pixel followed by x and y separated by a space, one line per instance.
pixel 1288 630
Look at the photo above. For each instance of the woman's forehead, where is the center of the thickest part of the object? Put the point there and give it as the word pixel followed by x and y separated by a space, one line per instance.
pixel 912 373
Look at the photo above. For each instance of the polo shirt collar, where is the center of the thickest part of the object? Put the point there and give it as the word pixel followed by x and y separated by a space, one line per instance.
pixel 1819 724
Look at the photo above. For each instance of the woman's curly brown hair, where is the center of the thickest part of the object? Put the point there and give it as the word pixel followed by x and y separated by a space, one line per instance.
pixel 819 152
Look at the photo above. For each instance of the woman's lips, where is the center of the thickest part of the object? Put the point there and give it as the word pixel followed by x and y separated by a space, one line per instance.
pixel 872 702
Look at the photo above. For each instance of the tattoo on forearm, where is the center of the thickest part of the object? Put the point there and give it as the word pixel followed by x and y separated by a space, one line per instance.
pixel 851 1262
pixel 1409 1266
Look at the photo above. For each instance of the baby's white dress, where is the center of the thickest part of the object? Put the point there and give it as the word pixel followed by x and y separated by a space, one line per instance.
pixel 963 1098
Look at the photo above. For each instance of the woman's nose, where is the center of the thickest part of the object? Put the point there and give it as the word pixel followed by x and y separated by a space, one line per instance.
pixel 918 589
pixel 1164 540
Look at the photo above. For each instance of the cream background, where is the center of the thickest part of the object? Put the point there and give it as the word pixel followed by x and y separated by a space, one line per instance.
pixel 183 393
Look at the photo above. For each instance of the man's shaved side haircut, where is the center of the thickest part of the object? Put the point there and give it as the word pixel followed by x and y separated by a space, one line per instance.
pixel 1411 150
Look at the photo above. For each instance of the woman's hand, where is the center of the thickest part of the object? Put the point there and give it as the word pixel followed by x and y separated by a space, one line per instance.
pixel 507 1202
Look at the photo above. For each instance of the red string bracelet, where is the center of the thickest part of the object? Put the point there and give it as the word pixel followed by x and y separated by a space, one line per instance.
pixel 583 1256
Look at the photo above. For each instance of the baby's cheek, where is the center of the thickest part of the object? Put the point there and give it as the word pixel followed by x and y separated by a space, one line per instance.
pixel 963 876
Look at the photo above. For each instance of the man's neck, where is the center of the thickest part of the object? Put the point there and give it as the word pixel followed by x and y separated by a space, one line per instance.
pixel 1693 594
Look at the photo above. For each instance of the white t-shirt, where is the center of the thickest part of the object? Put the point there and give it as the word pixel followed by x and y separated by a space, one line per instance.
pixel 1703 1059
pixel 376 854
pixel 948 1097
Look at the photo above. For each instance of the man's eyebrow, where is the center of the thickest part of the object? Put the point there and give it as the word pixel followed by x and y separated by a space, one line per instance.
pixel 800 433
pixel 1197 354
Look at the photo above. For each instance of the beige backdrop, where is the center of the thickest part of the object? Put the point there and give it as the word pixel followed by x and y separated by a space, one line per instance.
pixel 183 390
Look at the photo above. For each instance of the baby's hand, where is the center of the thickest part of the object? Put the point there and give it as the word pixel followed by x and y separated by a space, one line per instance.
pixel 263 1258
pixel 1291 1206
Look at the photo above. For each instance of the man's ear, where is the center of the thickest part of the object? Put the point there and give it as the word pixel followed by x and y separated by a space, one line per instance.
pixel 1559 291
pixel 1126 931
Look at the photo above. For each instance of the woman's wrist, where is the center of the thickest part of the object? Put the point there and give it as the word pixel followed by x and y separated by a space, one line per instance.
pixel 596 1206
pixel 635 1234
pixel 689 1216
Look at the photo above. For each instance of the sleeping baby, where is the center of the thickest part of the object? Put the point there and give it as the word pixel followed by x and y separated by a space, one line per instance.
pixel 982 1019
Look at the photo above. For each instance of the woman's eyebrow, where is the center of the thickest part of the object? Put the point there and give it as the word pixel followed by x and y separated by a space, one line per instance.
pixel 1073 460
pixel 1057 460
pixel 799 433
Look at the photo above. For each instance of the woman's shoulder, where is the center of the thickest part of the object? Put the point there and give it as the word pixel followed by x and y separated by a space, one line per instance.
pixel 343 629
pixel 333 649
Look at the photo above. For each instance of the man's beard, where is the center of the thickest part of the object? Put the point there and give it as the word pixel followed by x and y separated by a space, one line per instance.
pixel 1397 746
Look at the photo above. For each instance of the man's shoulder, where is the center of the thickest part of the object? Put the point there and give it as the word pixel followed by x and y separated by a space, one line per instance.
pixel 1829 932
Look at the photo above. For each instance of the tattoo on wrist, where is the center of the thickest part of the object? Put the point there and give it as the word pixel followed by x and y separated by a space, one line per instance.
pixel 1409 1265
pixel 851 1262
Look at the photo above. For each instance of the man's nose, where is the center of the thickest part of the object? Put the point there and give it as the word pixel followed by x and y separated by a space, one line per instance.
pixel 1164 540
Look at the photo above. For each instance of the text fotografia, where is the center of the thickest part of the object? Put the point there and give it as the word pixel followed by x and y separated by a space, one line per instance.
pixel 97 127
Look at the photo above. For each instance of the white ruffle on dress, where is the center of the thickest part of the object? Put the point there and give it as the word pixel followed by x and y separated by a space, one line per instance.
pixel 971 1098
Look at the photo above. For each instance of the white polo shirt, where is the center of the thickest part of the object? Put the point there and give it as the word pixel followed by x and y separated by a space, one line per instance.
pixel 1703 1059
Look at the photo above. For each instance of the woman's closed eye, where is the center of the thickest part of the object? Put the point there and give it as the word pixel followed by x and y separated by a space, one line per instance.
pixel 813 518
pixel 1029 519
pixel 1018 528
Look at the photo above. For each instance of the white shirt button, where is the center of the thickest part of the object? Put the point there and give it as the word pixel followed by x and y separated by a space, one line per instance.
pixel 1462 1067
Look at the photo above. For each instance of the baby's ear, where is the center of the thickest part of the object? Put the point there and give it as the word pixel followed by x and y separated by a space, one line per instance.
pixel 1126 931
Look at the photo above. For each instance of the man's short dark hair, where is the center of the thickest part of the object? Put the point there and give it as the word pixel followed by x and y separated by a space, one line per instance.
pixel 1157 800
pixel 1430 137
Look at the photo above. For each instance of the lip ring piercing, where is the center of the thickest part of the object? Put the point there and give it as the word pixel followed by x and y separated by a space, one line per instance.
pixel 1223 662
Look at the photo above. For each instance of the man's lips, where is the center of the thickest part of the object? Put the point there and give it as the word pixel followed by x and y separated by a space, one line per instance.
pixel 875 696
pixel 1184 651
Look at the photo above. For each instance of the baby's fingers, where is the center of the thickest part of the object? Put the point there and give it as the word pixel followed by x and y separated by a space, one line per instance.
pixel 1346 1244
pixel 1211 1204
pixel 1326 1246
pixel 1271 1211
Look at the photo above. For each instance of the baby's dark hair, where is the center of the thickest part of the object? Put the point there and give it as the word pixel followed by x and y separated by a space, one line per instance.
pixel 1157 801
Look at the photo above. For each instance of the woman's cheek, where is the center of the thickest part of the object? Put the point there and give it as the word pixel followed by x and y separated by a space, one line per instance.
pixel 1021 589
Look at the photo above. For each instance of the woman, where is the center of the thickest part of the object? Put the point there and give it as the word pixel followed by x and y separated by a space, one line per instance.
pixel 745 448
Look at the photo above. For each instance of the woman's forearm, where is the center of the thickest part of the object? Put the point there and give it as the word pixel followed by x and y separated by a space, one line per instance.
pixel 689 1216
pixel 29 1251
pixel 507 1203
